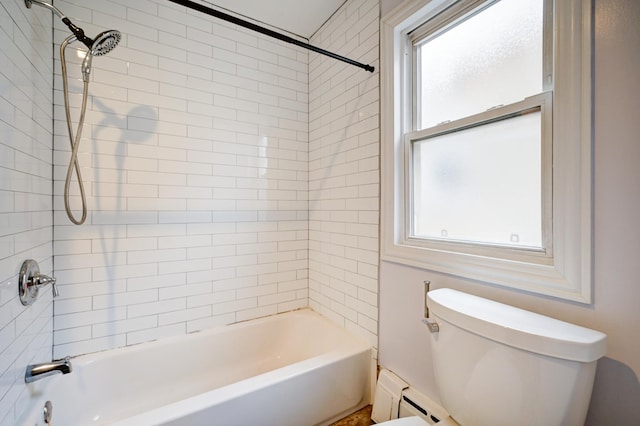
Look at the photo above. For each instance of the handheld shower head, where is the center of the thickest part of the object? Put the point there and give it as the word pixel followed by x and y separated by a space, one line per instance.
pixel 105 42
pixel 101 45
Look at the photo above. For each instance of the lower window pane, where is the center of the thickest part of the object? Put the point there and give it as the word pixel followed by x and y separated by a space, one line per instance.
pixel 480 185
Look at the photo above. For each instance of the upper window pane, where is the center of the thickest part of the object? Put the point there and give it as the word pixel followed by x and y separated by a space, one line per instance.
pixel 492 58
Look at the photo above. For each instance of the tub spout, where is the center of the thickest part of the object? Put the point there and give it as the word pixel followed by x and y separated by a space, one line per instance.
pixel 40 371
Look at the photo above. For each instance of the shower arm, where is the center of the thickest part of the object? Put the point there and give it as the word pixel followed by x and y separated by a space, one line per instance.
pixel 78 32
pixel 49 6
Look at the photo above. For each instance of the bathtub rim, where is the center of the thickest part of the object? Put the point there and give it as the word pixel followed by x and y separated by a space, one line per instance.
pixel 88 358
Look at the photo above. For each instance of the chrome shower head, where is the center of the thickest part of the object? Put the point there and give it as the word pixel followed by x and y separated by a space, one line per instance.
pixel 105 42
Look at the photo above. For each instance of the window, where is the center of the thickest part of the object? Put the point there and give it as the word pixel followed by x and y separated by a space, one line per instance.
pixel 487 162
pixel 475 144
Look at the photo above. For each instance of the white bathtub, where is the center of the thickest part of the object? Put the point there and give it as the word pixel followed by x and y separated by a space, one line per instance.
pixel 289 369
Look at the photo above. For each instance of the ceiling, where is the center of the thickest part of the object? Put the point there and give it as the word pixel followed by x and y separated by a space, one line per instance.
pixel 300 17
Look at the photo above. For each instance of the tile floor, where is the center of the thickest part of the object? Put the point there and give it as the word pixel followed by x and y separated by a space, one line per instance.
pixel 359 418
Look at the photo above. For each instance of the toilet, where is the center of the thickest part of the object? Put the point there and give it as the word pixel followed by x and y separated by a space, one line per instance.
pixel 497 365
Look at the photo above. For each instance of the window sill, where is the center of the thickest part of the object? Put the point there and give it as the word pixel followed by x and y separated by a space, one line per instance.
pixel 531 277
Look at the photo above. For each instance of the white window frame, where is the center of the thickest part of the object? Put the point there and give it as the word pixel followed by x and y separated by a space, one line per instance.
pixel 565 271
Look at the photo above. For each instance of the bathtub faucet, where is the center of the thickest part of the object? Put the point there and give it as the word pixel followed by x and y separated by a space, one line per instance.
pixel 46 369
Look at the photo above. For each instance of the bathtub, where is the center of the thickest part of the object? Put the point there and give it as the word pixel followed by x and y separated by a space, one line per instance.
pixel 293 369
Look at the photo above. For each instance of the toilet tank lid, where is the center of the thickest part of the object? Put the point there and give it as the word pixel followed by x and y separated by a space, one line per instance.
pixel 517 327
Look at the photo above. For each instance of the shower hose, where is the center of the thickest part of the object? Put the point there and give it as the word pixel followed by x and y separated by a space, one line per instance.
pixel 74 140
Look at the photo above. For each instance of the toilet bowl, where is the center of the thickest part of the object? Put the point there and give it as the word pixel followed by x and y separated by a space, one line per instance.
pixel 498 365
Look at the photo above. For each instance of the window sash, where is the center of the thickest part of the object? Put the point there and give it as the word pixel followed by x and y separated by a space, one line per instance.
pixel 451 12
pixel 541 102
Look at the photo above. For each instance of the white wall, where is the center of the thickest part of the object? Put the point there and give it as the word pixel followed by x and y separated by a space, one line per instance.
pixel 404 346
pixel 25 193
pixel 195 163
pixel 343 170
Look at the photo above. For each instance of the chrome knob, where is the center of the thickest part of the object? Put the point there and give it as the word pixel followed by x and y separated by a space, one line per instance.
pixel 47 412
pixel 41 280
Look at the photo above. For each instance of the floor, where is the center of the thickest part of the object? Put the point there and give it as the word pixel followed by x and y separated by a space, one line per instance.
pixel 359 418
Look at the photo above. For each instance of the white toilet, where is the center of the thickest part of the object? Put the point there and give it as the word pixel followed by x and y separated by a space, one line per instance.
pixel 498 365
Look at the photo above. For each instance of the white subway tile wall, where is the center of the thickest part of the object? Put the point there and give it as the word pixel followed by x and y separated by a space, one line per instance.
pixel 344 171
pixel 26 127
pixel 195 162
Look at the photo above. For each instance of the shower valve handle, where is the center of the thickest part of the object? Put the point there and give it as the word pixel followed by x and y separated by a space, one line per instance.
pixel 30 281
pixel 41 280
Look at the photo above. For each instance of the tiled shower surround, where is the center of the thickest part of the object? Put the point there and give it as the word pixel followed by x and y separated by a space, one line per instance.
pixel 213 194
pixel 229 176
pixel 196 169
pixel 344 171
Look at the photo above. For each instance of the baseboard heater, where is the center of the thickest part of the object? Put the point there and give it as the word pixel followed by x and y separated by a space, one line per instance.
pixel 413 404
pixel 394 398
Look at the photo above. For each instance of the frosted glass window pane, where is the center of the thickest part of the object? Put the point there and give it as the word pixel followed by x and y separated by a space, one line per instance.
pixel 493 58
pixel 481 185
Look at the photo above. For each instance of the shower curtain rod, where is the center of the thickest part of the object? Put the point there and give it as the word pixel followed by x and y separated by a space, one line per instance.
pixel 268 32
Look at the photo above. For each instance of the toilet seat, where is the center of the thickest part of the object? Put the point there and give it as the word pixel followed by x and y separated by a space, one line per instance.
pixel 417 421
pixel 405 421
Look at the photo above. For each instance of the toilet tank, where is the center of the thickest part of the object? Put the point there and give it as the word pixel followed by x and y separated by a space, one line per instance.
pixel 495 364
